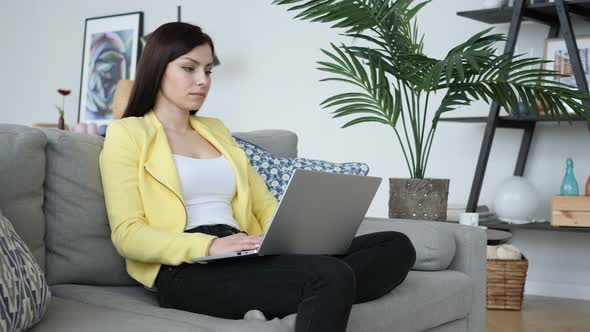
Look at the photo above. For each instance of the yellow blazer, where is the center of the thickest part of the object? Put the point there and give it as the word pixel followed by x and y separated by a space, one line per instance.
pixel 144 201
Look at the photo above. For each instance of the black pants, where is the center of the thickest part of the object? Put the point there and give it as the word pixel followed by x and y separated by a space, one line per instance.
pixel 321 289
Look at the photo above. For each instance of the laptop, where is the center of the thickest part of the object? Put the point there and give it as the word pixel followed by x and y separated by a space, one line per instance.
pixel 319 214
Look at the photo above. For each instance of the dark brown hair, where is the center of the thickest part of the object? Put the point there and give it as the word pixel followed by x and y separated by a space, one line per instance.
pixel 164 45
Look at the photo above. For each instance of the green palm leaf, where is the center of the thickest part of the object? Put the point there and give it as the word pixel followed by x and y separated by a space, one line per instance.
pixel 375 97
pixel 465 59
pixel 394 79
pixel 357 15
pixel 502 80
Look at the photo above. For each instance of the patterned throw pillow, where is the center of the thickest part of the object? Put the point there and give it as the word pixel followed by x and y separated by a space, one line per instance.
pixel 24 293
pixel 277 171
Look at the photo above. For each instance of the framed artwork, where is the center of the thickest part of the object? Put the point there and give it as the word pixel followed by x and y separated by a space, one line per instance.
pixel 110 53
pixel 556 51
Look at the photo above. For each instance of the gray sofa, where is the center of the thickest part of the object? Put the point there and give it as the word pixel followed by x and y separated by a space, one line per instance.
pixel 51 191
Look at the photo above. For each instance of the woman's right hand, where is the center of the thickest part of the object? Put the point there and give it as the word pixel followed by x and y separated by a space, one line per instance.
pixel 234 243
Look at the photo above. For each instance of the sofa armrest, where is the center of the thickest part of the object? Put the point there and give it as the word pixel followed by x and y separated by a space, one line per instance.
pixel 470 258
pixel 469 254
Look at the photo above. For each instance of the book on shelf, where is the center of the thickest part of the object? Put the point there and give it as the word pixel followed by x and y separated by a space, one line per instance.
pixel 454 212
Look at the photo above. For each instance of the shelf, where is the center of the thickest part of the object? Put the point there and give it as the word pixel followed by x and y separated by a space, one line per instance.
pixel 546 226
pixel 499 225
pixel 560 22
pixel 542 12
pixel 513 121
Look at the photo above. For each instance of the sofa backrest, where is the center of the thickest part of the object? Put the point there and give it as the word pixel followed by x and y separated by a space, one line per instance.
pixel 53 188
pixel 79 247
pixel 22 172
pixel 279 143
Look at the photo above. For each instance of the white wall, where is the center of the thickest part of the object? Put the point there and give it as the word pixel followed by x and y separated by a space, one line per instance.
pixel 268 80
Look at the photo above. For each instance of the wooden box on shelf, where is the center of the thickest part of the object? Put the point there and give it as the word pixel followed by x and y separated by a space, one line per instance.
pixel 571 211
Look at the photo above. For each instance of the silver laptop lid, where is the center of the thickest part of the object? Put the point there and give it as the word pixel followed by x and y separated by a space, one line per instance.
pixel 320 213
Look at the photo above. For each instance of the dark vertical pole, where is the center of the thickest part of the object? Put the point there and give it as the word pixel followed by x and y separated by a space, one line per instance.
pixel 529 130
pixel 525 146
pixel 177 13
pixel 572 47
pixel 492 122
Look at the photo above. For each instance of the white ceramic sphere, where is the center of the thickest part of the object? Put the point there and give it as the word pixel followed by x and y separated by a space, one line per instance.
pixel 516 201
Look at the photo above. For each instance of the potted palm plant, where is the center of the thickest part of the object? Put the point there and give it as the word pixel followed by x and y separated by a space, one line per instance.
pixel 393 81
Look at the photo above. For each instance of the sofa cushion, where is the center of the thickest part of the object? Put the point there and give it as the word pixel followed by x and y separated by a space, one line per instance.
pixel 65 315
pixel 424 300
pixel 279 143
pixel 277 171
pixel 22 172
pixel 435 246
pixel 79 246
pixel 24 293
pixel 138 300
pixel 419 303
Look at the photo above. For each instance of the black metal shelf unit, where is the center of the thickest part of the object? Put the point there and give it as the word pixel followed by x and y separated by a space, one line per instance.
pixel 541 226
pixel 514 121
pixel 558 16
pixel 545 13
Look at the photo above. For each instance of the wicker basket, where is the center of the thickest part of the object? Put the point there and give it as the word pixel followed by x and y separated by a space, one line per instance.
pixel 505 283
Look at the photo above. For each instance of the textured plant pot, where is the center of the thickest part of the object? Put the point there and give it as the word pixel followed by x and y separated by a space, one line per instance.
pixel 421 199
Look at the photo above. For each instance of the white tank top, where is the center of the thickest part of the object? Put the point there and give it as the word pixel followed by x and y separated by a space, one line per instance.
pixel 208 186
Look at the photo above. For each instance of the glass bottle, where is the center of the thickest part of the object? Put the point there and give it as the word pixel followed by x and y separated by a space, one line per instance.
pixel 588 186
pixel 569 185
pixel 60 122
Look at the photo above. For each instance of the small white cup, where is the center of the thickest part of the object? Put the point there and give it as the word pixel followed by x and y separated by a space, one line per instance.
pixel 469 218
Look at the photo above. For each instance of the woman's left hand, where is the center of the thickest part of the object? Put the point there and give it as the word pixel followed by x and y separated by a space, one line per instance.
pixel 234 243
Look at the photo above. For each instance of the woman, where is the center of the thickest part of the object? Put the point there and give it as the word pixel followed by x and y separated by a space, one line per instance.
pixel 177 186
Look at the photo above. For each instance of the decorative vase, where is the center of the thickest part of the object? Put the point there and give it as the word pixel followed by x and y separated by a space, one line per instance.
pixel 520 111
pixel 569 185
pixel 61 123
pixel 420 199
